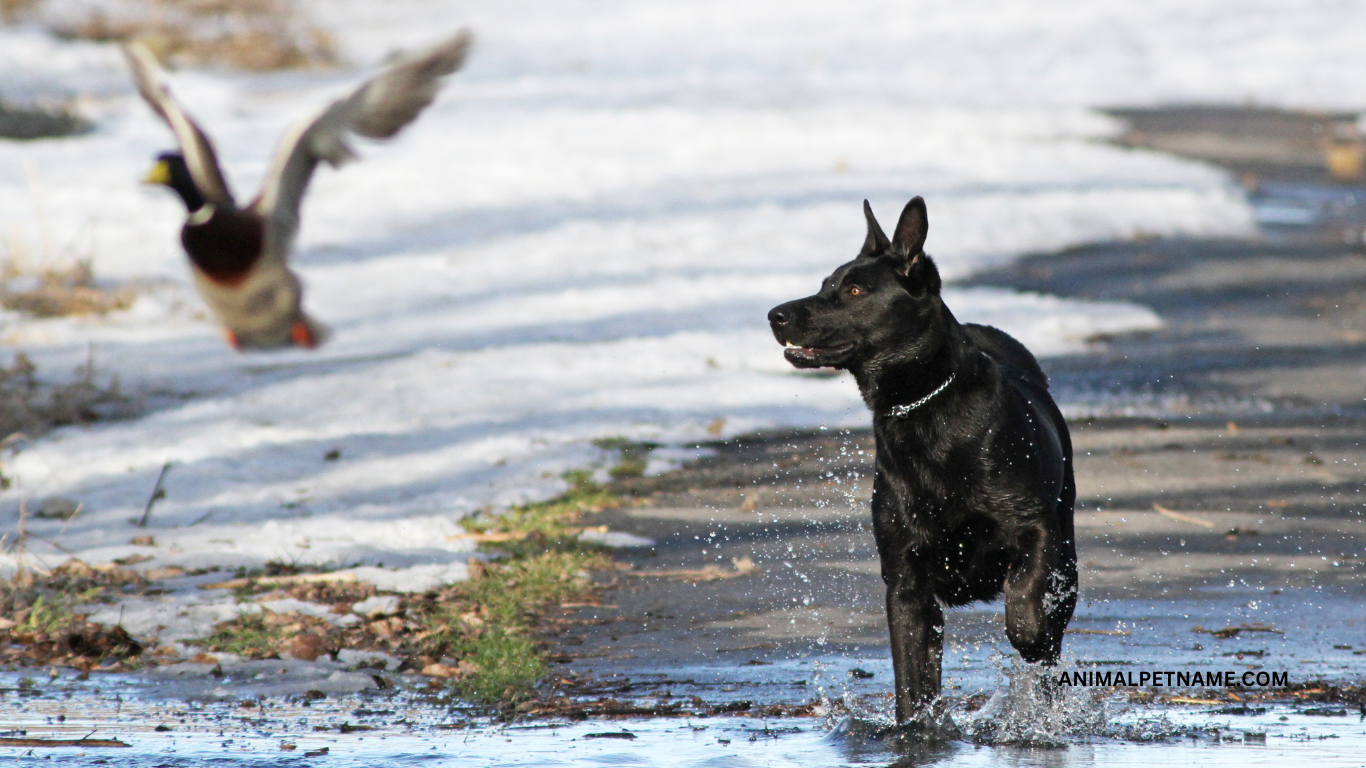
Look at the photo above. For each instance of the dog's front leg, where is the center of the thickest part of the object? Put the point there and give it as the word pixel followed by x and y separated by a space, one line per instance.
pixel 1040 591
pixel 917 627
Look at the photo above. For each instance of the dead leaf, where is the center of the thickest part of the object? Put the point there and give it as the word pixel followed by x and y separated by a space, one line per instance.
pixel 1161 510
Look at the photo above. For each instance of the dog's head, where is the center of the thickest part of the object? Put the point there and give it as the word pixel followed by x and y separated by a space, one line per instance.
pixel 883 303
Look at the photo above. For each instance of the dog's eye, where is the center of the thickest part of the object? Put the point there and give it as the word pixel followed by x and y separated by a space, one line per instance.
pixel 854 290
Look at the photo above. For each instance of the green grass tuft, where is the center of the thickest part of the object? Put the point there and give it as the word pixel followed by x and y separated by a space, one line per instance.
pixel 632 456
pixel 490 622
pixel 251 635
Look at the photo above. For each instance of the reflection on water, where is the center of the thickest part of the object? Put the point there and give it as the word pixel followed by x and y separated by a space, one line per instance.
pixel 1028 721
pixel 1278 736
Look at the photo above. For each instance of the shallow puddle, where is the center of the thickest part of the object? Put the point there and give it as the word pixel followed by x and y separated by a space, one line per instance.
pixel 1025 722
pixel 1279 735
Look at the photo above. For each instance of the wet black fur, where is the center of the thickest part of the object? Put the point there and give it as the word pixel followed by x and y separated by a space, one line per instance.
pixel 973 491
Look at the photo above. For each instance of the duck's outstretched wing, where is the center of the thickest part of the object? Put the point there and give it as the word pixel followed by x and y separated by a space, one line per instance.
pixel 378 110
pixel 194 145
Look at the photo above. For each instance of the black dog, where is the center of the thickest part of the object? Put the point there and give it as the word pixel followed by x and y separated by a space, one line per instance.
pixel 973 492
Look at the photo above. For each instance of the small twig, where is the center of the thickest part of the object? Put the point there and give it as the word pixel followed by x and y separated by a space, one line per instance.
pixel 1161 510
pixel 157 494
pixel 8 742
pixel 54 544
pixel 1228 632
pixel 1189 700
pixel 270 581
pixel 65 523
pixel 743 567
pixel 19 542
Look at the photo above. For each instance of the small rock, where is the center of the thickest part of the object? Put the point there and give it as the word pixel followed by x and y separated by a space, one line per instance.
pixel 440 670
pixel 58 507
pixel 306 647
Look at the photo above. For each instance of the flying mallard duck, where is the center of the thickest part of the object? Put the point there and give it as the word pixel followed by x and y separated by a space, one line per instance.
pixel 238 254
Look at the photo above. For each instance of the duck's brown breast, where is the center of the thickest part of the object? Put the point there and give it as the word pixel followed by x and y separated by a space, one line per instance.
pixel 224 244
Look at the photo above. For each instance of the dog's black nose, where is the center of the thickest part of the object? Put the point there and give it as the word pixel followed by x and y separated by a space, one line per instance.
pixel 779 315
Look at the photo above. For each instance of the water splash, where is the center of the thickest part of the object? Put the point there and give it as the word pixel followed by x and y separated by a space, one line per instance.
pixel 1033 709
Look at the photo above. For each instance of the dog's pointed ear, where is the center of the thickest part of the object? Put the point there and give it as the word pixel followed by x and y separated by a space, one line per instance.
pixel 876 243
pixel 909 238
pixel 907 252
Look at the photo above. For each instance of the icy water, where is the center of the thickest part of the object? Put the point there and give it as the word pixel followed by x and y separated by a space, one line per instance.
pixel 1075 729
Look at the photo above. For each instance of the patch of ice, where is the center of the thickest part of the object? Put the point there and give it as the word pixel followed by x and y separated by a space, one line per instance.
pixel 418 578
pixel 288 604
pixel 615 539
pixel 376 604
pixel 351 657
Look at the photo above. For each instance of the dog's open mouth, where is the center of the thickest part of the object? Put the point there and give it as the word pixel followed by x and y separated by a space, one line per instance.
pixel 812 357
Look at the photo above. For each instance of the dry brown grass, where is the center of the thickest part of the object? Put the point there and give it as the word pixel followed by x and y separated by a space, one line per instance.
pixel 58 291
pixel 256 35
pixel 31 407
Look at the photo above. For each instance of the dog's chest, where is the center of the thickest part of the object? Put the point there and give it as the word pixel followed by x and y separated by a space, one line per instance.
pixel 933 488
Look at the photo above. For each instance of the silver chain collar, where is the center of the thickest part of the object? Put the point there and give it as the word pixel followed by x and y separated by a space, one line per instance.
pixel 902 411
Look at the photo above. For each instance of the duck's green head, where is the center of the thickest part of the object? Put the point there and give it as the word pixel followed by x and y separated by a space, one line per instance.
pixel 170 170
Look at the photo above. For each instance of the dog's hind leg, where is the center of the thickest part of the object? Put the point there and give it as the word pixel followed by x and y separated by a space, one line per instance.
pixel 1040 592
pixel 917 628
pixel 1061 598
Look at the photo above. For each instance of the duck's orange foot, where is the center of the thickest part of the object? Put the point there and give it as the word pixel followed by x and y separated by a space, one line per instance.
pixel 231 338
pixel 303 335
